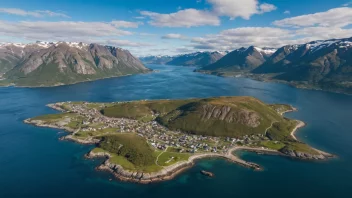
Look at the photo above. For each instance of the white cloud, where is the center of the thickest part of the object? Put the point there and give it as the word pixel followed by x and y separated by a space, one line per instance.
pixel 36 13
pixel 337 17
pixel 287 12
pixel 146 34
pixel 265 7
pixel 173 36
pixel 182 18
pixel 323 33
pixel 126 24
pixel 243 37
pixel 127 43
pixel 193 17
pixel 331 24
pixel 61 30
pixel 139 17
pixel 240 8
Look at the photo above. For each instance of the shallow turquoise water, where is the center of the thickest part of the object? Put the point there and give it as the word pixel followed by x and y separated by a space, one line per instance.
pixel 34 163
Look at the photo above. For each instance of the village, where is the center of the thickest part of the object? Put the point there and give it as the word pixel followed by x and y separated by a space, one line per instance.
pixel 157 135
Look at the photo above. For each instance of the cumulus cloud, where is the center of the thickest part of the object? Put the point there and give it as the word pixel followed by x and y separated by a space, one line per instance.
pixel 194 17
pixel 126 24
pixel 182 18
pixel 173 36
pixel 323 33
pixel 62 30
pixel 287 12
pixel 36 13
pixel 265 7
pixel 337 17
pixel 243 37
pixel 127 43
pixel 240 8
pixel 331 24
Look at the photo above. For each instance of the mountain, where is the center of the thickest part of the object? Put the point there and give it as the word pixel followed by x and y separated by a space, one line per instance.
pixel 241 59
pixel 326 64
pixel 11 54
pixel 197 59
pixel 159 60
pixel 323 64
pixel 50 64
pixel 192 59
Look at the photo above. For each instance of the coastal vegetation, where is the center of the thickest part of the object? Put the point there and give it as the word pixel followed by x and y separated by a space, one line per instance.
pixel 130 146
pixel 152 136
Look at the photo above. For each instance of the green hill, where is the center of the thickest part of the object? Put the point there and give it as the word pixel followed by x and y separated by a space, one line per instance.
pixel 224 116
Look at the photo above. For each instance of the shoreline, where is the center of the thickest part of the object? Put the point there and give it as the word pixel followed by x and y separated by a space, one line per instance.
pixel 297 86
pixel 169 172
pixel 62 84
pixel 298 126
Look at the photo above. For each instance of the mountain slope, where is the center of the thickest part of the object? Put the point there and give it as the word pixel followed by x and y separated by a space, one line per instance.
pixel 66 63
pixel 159 60
pixel 241 59
pixel 327 64
pixel 196 59
pixel 12 54
pixel 192 59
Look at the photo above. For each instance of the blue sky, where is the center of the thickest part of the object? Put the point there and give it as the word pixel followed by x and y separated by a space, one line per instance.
pixel 153 27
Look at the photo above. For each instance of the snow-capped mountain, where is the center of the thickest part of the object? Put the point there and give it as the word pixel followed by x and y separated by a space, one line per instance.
pixel 326 64
pixel 190 59
pixel 52 63
pixel 242 59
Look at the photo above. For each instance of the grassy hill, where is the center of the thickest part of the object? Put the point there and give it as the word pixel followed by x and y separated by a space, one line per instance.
pixel 224 116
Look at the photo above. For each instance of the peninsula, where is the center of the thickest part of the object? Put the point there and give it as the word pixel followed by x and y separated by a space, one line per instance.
pixel 151 141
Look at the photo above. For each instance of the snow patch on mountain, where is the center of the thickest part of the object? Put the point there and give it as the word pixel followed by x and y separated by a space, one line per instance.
pixel 267 51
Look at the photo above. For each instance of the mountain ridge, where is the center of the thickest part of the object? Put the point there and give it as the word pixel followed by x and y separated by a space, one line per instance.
pixel 322 64
pixel 190 59
pixel 59 63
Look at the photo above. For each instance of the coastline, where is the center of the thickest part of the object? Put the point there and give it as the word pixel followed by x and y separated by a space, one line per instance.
pixel 169 172
pixel 62 84
pixel 298 126
pixel 292 84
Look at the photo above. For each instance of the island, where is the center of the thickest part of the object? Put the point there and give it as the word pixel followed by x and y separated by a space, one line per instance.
pixel 154 140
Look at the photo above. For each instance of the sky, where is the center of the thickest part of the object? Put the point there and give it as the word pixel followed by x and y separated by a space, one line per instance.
pixel 169 27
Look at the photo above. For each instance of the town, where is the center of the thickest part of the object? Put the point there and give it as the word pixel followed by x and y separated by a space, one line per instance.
pixel 93 123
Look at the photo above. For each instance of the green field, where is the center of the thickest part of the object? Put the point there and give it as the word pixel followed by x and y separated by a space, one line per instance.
pixel 273 145
pixel 169 158
pixel 54 117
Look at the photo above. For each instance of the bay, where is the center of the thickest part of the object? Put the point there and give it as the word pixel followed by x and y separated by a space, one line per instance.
pixel 34 163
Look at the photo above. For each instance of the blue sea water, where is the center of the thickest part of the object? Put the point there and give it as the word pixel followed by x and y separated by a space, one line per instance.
pixel 34 163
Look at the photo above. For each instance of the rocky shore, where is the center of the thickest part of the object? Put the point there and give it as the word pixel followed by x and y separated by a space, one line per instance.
pixel 167 173
pixel 67 137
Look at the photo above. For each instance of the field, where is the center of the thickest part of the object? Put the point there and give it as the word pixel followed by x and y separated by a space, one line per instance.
pixel 169 158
